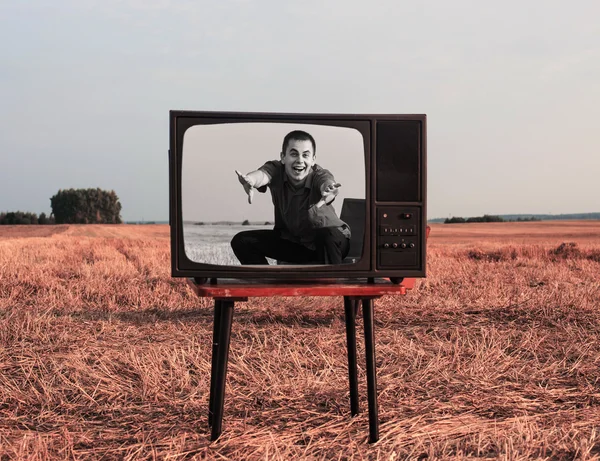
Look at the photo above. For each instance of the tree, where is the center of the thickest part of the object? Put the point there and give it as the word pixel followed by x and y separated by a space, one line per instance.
pixel 21 217
pixel 86 206
pixel 454 220
pixel 484 218
pixel 18 217
pixel 246 223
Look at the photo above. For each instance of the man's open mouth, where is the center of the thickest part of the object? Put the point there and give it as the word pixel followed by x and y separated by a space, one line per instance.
pixel 299 169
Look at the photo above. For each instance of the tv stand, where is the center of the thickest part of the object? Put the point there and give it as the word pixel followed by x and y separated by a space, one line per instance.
pixel 229 291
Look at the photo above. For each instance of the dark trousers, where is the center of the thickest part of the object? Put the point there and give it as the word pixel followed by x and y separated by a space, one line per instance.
pixel 253 247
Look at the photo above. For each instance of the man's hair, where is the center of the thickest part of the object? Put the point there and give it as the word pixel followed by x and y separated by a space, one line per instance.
pixel 298 135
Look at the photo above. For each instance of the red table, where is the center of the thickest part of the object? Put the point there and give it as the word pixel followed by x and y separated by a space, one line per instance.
pixel 226 292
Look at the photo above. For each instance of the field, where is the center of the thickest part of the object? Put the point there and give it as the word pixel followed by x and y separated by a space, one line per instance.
pixel 210 244
pixel 494 356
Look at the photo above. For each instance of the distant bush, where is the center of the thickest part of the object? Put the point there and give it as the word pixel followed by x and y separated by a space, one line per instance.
pixel 246 223
pixel 267 223
pixel 484 218
pixel 199 223
pixel 527 219
pixel 454 220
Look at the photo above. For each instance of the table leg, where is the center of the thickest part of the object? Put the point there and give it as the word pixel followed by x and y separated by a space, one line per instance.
pixel 350 316
pixel 220 373
pixel 215 353
pixel 367 305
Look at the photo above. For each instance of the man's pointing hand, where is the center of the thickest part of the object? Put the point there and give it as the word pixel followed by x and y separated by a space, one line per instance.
pixel 248 184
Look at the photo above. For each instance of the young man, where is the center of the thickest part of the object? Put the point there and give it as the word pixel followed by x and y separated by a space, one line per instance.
pixel 307 229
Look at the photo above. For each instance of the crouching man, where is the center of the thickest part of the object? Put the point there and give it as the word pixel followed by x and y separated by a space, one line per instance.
pixel 307 229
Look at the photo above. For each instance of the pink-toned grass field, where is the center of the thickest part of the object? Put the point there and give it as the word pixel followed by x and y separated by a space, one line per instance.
pixel 494 356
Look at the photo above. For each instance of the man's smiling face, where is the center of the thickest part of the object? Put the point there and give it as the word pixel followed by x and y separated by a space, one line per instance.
pixel 298 159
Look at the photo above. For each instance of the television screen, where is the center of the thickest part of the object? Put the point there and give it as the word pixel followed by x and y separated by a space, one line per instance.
pixel 286 214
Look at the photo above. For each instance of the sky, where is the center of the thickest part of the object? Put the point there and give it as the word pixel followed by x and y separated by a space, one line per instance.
pixel 511 91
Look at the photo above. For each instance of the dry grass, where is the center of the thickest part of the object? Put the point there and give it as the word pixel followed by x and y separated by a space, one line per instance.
pixel 495 355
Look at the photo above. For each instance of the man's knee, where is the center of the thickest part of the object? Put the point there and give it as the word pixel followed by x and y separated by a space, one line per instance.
pixel 239 241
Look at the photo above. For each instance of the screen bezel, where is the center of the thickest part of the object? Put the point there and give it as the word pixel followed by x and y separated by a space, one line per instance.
pixel 181 121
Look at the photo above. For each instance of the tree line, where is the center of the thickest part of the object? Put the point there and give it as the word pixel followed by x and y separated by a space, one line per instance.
pixel 73 206
pixel 486 218
pixel 24 217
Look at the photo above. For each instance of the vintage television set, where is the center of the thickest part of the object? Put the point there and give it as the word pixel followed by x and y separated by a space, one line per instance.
pixel 379 160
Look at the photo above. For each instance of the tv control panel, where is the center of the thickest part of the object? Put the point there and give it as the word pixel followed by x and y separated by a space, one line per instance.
pixel 398 237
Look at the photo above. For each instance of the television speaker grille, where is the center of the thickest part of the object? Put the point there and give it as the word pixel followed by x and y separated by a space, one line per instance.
pixel 398 161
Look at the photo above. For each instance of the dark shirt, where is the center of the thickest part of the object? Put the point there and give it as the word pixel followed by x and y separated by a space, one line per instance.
pixel 295 216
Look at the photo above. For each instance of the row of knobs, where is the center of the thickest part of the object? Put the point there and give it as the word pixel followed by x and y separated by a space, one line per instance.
pixel 402 215
pixel 395 245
